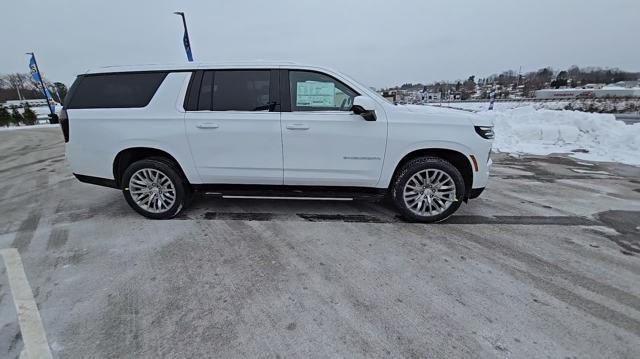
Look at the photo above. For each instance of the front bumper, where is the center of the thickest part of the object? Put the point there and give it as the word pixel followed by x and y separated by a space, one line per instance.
pixel 476 192
pixel 481 177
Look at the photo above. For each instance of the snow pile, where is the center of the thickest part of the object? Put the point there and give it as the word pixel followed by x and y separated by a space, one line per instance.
pixel 588 136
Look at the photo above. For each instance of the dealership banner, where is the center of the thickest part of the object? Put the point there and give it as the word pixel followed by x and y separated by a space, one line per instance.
pixel 37 78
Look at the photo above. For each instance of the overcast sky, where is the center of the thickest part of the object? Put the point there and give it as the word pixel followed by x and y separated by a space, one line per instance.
pixel 380 42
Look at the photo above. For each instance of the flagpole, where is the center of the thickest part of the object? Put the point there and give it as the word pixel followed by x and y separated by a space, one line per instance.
pixel 186 41
pixel 44 89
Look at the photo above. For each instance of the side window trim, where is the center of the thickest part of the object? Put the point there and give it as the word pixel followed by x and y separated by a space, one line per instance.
pixel 285 89
pixel 193 91
pixel 207 105
pixel 285 94
pixel 274 91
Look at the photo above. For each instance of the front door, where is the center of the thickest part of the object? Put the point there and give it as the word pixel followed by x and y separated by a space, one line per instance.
pixel 324 142
pixel 233 126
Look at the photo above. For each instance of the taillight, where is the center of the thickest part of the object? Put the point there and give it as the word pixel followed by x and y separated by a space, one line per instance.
pixel 64 124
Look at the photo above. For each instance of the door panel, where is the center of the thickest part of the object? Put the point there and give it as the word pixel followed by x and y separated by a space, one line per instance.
pixel 333 148
pixel 236 147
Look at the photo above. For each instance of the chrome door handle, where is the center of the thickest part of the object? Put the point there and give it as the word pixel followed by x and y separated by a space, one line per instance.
pixel 297 126
pixel 207 125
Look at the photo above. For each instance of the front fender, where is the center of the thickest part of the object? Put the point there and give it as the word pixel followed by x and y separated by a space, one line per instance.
pixel 395 157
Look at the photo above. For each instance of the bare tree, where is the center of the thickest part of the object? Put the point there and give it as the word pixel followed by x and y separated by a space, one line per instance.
pixel 20 82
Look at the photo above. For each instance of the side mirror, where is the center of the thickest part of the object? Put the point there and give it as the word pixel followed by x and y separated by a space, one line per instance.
pixel 364 107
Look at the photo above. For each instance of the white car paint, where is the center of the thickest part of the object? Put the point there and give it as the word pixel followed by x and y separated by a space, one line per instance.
pixel 292 148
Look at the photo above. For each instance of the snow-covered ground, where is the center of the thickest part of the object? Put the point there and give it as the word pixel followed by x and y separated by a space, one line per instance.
pixel 13 128
pixel 588 136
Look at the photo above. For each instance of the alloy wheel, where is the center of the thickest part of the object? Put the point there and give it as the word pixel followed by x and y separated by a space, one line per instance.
pixel 429 192
pixel 152 190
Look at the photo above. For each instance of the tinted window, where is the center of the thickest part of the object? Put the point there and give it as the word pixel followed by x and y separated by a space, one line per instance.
pixel 312 91
pixel 116 90
pixel 242 90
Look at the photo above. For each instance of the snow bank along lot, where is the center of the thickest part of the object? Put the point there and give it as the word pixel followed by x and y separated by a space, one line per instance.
pixel 588 136
pixel 586 105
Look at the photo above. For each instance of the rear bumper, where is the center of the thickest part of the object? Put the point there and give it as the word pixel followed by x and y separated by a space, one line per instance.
pixel 476 192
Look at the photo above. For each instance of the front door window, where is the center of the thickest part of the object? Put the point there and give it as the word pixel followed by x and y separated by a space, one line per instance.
pixel 312 91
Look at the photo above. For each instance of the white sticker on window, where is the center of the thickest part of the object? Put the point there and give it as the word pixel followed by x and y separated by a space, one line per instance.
pixel 316 94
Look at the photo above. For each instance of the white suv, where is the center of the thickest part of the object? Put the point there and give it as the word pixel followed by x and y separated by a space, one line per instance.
pixel 159 133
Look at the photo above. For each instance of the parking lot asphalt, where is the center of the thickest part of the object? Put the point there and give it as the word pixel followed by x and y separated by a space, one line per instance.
pixel 545 264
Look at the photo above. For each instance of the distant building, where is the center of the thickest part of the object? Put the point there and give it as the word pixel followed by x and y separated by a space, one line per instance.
pixel 389 95
pixel 432 96
pixel 607 91
pixel 454 96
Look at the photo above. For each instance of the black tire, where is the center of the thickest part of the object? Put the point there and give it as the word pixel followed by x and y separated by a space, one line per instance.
pixel 170 170
pixel 188 191
pixel 417 165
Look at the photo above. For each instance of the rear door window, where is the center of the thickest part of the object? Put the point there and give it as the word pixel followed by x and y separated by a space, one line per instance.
pixel 241 90
pixel 122 90
pixel 231 90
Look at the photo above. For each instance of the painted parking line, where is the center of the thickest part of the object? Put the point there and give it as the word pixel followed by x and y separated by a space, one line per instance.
pixel 33 335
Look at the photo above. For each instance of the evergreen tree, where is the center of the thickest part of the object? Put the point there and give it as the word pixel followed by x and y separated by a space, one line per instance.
pixel 29 117
pixel 16 117
pixel 5 116
pixel 62 90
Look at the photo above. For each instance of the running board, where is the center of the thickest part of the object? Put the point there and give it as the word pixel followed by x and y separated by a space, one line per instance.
pixel 292 192
pixel 283 197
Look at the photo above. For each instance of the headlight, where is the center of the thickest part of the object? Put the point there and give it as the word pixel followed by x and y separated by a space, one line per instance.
pixel 485 131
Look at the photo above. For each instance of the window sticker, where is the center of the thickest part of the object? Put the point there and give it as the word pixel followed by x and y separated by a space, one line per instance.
pixel 316 94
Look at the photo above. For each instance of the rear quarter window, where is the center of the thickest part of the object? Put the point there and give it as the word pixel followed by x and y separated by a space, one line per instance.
pixel 123 90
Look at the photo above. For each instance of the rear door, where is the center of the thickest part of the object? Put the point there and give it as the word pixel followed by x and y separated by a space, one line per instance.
pixel 233 126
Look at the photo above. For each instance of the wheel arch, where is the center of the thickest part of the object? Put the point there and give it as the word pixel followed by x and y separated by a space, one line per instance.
pixel 456 158
pixel 130 155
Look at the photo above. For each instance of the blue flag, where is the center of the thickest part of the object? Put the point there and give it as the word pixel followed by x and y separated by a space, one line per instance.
pixel 187 46
pixel 37 78
pixel 34 70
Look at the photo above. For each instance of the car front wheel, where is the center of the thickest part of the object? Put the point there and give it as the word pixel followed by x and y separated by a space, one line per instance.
pixel 154 188
pixel 428 190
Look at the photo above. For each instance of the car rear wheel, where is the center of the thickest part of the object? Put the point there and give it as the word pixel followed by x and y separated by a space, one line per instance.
pixel 428 190
pixel 155 188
